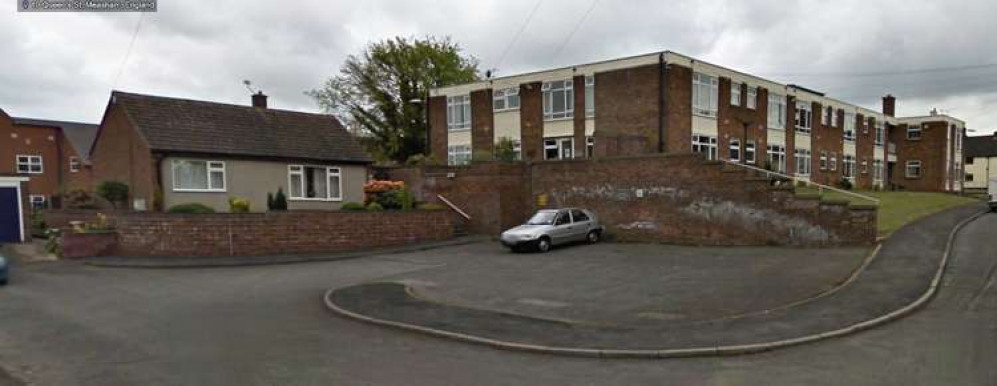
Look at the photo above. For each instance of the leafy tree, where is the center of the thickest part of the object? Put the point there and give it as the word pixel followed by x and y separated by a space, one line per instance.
pixel 374 90
pixel 114 192
pixel 505 150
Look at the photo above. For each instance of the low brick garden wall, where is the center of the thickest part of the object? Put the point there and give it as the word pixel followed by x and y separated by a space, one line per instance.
pixel 244 234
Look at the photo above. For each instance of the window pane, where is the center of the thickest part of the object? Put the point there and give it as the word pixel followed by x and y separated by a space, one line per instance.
pixel 217 180
pixel 295 185
pixel 513 101
pixel 334 185
pixel 190 175
pixel 559 105
pixel 316 183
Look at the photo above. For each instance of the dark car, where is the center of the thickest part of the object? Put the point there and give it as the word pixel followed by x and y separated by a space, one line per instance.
pixel 549 227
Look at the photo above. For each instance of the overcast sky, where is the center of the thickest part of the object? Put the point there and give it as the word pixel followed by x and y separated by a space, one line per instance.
pixel 939 54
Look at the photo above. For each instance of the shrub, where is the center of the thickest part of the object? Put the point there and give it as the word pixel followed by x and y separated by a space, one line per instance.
pixel 279 200
pixel 38 226
pixel 397 199
pixel 375 207
pixel 191 208
pixel 238 205
pixel 845 184
pixel 505 150
pixel 352 207
pixel 422 160
pixel 114 192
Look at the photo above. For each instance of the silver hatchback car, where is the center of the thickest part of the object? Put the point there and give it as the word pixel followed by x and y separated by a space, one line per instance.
pixel 550 227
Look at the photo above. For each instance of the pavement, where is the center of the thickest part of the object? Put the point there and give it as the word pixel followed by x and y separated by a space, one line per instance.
pixel 67 323
pixel 898 277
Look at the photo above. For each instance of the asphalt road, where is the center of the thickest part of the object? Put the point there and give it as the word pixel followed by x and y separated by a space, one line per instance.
pixel 70 324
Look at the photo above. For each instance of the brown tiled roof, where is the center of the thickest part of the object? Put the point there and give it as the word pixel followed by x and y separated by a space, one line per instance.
pixel 980 146
pixel 189 126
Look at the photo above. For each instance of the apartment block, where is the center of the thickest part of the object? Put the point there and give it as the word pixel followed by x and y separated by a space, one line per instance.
pixel 52 154
pixel 671 103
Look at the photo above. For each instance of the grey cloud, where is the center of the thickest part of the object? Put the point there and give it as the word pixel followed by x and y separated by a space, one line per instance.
pixel 63 66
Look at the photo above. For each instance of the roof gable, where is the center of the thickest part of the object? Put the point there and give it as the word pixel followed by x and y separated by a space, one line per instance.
pixel 79 135
pixel 182 125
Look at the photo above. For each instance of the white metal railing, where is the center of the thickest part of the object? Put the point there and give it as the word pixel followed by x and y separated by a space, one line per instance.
pixel 820 187
pixel 454 207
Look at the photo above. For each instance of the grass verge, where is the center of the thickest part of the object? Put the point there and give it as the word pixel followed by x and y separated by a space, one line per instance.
pixel 897 209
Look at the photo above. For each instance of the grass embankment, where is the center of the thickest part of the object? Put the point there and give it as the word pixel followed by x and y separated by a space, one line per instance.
pixel 897 209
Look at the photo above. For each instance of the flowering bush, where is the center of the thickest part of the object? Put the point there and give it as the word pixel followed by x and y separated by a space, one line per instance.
pixel 381 186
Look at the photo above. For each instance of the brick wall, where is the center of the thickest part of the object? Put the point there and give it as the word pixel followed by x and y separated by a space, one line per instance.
pixel 531 120
pixel 865 133
pixel 33 140
pixel 678 108
pixel 929 151
pixel 627 103
pixel 232 234
pixel 675 198
pixel 495 195
pixel 578 83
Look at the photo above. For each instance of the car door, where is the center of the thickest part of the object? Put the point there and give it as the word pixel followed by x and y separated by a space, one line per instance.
pixel 580 224
pixel 562 231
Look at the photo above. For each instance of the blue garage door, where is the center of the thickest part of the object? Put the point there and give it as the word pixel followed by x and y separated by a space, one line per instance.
pixel 10 216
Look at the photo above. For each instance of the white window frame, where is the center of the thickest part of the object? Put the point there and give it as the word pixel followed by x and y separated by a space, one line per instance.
pixel 505 96
pixel 880 138
pixel 330 171
pixel 590 96
pixel 734 150
pixel 29 162
pixel 589 147
pixel 825 115
pixel 705 144
pixel 750 152
pixel 458 104
pixel 848 133
pixel 568 90
pixel 864 166
pixel 559 145
pixel 804 159
pixel 705 105
pixel 752 98
pixel 823 160
pixel 74 164
pixel 777 157
pixel 460 154
pixel 211 166
pixel 914 129
pixel 804 117
pixel 912 164
pixel 848 167
pixel 833 161
pixel 877 170
pixel 735 94
pixel 777 112
pixel 37 201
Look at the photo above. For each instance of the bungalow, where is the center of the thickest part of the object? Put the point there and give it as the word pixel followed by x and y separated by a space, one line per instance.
pixel 173 151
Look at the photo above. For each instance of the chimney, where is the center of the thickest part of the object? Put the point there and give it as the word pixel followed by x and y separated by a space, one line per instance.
pixel 889 105
pixel 259 100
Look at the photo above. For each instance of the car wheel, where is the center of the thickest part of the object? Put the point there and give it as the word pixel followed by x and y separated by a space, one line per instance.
pixel 593 237
pixel 543 245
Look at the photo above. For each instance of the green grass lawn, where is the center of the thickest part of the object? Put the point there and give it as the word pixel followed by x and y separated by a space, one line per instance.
pixel 897 209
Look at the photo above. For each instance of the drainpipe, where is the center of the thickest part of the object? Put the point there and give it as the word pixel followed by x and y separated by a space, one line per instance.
pixel 661 102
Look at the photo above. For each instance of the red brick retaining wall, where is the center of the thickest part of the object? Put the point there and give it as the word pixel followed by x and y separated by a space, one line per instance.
pixel 242 234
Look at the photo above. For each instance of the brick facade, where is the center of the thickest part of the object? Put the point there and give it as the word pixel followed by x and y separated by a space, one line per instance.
pixel 244 234
pixel 627 104
pixel 531 121
pixel 933 167
pixel 678 108
pixel 51 144
pixel 120 154
pixel 482 125
pixel 438 128
pixel 579 119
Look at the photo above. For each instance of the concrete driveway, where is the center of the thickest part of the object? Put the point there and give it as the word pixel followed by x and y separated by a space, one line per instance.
pixel 65 324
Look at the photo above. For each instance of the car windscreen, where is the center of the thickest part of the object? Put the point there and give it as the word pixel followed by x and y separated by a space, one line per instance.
pixel 542 218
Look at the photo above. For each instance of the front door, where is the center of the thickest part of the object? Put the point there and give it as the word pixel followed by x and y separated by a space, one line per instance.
pixel 10 216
